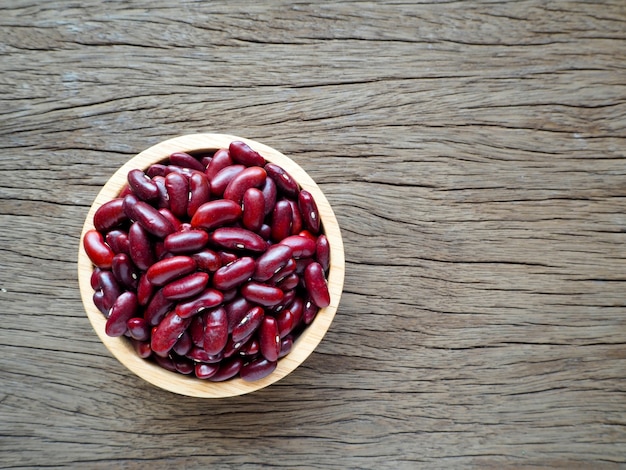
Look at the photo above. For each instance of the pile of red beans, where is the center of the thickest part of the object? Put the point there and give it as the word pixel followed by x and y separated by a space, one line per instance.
pixel 211 264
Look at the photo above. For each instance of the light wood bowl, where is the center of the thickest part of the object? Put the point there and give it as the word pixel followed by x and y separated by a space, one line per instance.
pixel 121 347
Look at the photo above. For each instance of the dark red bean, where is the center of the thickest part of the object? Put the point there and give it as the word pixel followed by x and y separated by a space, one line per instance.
pixel 221 159
pixel 169 215
pixel 309 211
pixel 322 252
pixel 196 330
pixel 265 232
pixel 233 274
pixel 272 261
pixel 215 331
pixel 118 241
pixel 251 348
pixel 284 181
pixel 316 286
pixel 98 300
pixel 183 365
pixel 125 191
pixel 124 271
pixel 285 346
pixel 234 238
pixel 111 289
pixel 301 265
pixel 142 348
pixel 309 312
pixel 281 220
pixel 98 252
pixel 288 297
pixel 262 294
pixel 251 177
pixel 186 242
pixel 302 247
pixel 270 193
pixel 157 308
pixel 145 289
pixel 177 187
pixel 185 287
pixel 181 170
pixel 227 257
pixel 269 339
pixel 242 153
pixel 138 328
pixel 163 200
pixel 143 187
pixel 285 271
pixel 228 369
pixel 297 309
pixel 167 332
pixel 285 321
pixel 253 209
pixel 123 309
pixel 200 355
pixel 109 215
pixel 213 214
pixel 289 282
pixel 205 159
pixel 156 169
pixel 184 344
pixel 147 216
pixel 221 180
pixel 205 371
pixel 165 271
pixel 207 260
pixel 199 192
pixel 208 298
pixel 257 369
pixel 235 310
pixel 166 362
pixel 296 217
pixel 185 160
pixel 230 294
pixel 248 324
pixel 94 279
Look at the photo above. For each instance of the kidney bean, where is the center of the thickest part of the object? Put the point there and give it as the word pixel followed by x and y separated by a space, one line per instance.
pixel 205 159
pixel 163 199
pixel 205 371
pixel 199 192
pixel 185 160
pixel 235 238
pixel 285 346
pixel 156 169
pixel 251 177
pixel 322 252
pixel 248 324
pixel 169 215
pixel 215 331
pixel 165 271
pixel 157 308
pixel 272 261
pixel 301 265
pixel 253 205
pixel 167 332
pixel 257 369
pixel 142 348
pixel 281 220
pixel 227 257
pixel 235 310
pixel 124 271
pixel 213 214
pixel 316 286
pixel 110 288
pixel 124 308
pixel 196 331
pixel 288 297
pixel 309 211
pixel 143 187
pixel 118 241
pixel 221 180
pixel 234 273
pixel 200 355
pixel 251 348
pixel 98 252
pixel 166 362
pixel 181 170
pixel 94 279
pixel 186 287
pixel 296 217
pixel 284 181
pixel 138 328
pixel 285 321
pixel 177 187
pixel 287 270
pixel 309 312
pixel 207 260
pixel 262 294
pixel 232 347
pixel 270 194
pixel 184 344
pixel 183 365
pixel 221 159
pixel 109 215
pixel 269 338
pixel 125 191
pixel 98 300
pixel 265 232
pixel 297 309
pixel 147 216
pixel 228 369
pixel 186 241
pixel 241 152
pixel 288 282
pixel 208 298
pixel 301 247
pixel 145 289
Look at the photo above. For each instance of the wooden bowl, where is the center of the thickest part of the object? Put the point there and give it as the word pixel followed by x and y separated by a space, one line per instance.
pixel 121 347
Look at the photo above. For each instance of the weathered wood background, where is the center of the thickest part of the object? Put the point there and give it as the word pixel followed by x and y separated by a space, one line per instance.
pixel 474 153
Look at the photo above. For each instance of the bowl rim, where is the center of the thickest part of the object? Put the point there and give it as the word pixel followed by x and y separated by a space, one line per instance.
pixel 122 349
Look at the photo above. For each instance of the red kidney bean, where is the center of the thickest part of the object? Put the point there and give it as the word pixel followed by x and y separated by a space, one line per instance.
pixel 301 247
pixel 223 177
pixel 200 355
pixel 215 331
pixel 98 252
pixel 183 365
pixel 228 369
pixel 270 193
pixel 301 265
pixel 185 160
pixel 309 312
pixel 148 217
pixel 184 344
pixel 169 215
pixel 125 191
pixel 181 170
pixel 98 300
pixel 235 310
pixel 234 238
pixel 186 287
pixel 284 181
pixel 316 286
pixel 227 257
pixel 165 271
pixel 296 217
pixel 143 187
pixel 289 282
pixel 124 271
pixel 288 297
pixel 307 234
pixel 241 152
pixel 272 261
pixel 145 289
pixel 142 348
pixel 248 324
pixel 257 369
pixel 269 339
pixel 110 288
pixel 118 241
pixel 285 321
pixel 94 279
pixel 156 169
pixel 230 294
pixel 287 270
pixel 251 177
pixel 253 205
pixel 196 330
pixel 251 348
pixel 233 347
pixel 233 274
pixel 262 294
pixel 166 362
pixel 207 260
pixel 285 346
pixel 265 232
pixel 322 252
pixel 199 192
pixel 205 159
pixel 297 309
pixel 124 308
pixel 138 328
pixel 163 200
pixel 208 298
pixel 221 159
pixel 213 214
pixel 186 242
pixel 177 187
pixel 157 308
pixel 309 211
pixel 109 215
pixel 167 332
pixel 205 371
pixel 281 220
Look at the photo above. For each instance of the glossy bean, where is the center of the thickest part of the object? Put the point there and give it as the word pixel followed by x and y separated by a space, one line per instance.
pixel 213 214
pixel 184 343
pixel 234 274
pixel 205 371
pixel 205 159
pixel 233 347
pixel 215 331
pixel 309 312
pixel 309 211
pixel 206 299
pixel 138 328
pixel 227 257
pixel 221 180
pixel 177 187
pixel 145 289
pixel 281 220
pixel 288 282
pixel 165 362
pixel 296 217
pixel 156 169
pixel 269 339
pixel 164 271
pixel 98 300
pixel 157 308
pixel 285 346
pixel 316 286
pixel 169 215
pixel 257 369
pixel 118 241
pixel 196 331
pixel 322 252
pixel 221 159
pixel 265 232
pixel 183 365
pixel 199 192
pixel 228 369
pixel 111 289
pixel 288 297
pixel 251 177
pixel 234 238
pixel 248 324
pixel 272 261
pixel 94 279
pixel 251 348
pixel 142 185
pixel 185 160
pixel 287 270
pixel 270 194
pixel 284 181
pixel 242 153
pixel 167 332
pixel 235 310
pixel 207 260
pixel 147 216
pixel 200 355
pixel 185 287
pixel 297 309
pixel 123 309
pixel 142 348
pixel 181 170
pixel 188 241
pixel 262 294
pixel 286 322
pixel 301 247
pixel 98 252
pixel 253 205
pixel 125 271
pixel 163 200
pixel 109 215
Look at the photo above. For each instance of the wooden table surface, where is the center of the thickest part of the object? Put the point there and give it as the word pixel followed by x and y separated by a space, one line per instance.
pixel 474 153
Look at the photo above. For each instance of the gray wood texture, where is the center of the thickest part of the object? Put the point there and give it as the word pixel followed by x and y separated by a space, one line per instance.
pixel 474 153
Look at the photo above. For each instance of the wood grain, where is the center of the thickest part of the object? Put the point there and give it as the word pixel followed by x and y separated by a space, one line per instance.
pixel 473 153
